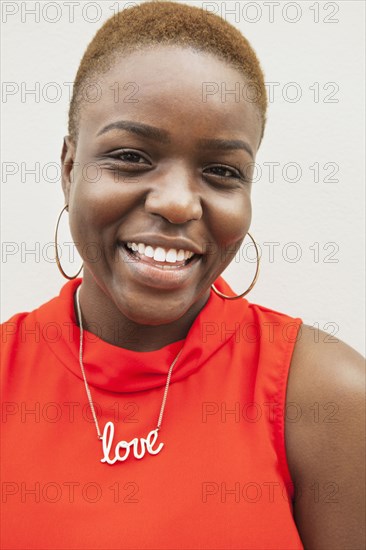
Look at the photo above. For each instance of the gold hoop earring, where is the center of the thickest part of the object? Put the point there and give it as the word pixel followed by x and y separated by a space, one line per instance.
pixel 56 251
pixel 251 284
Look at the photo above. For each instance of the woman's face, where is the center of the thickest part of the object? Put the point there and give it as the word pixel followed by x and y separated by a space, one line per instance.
pixel 163 160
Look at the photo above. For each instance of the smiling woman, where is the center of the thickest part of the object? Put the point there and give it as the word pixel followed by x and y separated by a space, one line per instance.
pixel 171 185
pixel 175 388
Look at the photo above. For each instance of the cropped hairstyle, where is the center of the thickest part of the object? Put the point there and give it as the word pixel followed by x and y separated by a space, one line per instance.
pixel 166 23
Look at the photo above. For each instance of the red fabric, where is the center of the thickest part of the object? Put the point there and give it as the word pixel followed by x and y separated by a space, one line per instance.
pixel 221 480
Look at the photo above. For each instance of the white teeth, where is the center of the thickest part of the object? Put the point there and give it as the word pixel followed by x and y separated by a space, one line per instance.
pixel 160 254
pixel 171 255
pixel 149 252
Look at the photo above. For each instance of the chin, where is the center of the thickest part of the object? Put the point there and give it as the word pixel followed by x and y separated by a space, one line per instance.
pixel 155 315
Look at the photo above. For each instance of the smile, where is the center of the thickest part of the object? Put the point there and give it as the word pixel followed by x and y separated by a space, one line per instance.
pixel 158 267
pixel 159 255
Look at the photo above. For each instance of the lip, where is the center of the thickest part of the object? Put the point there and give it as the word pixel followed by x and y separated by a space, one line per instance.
pixel 155 240
pixel 156 276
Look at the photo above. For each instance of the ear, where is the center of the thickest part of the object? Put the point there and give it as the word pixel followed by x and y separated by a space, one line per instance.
pixel 67 165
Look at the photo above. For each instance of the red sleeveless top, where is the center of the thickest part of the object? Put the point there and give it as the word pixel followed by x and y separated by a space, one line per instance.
pixel 221 481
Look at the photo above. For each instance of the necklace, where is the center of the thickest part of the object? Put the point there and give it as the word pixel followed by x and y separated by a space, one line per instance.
pixel 138 445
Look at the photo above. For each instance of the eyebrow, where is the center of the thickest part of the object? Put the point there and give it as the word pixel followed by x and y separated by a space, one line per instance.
pixel 226 145
pixel 151 132
pixel 144 130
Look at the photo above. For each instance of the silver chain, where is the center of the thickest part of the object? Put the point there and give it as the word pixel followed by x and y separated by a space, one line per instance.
pixel 86 383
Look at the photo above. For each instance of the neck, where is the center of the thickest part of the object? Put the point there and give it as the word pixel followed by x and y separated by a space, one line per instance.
pixel 101 317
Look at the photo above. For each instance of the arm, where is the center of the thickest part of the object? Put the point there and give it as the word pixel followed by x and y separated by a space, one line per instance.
pixel 326 444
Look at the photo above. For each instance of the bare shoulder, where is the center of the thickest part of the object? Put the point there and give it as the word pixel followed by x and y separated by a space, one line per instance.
pixel 325 434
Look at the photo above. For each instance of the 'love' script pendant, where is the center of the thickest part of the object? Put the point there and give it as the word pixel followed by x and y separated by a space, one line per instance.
pixel 122 449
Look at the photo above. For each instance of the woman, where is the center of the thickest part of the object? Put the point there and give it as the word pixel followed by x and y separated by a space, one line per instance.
pixel 144 405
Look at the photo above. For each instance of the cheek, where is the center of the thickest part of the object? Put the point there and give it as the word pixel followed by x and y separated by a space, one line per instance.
pixel 231 219
pixel 99 202
pixel 230 224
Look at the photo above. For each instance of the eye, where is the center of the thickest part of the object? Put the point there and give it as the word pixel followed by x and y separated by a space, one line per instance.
pixel 223 171
pixel 128 157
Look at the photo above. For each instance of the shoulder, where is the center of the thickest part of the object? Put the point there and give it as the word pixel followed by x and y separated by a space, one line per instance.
pixel 29 327
pixel 13 338
pixel 9 329
pixel 325 368
pixel 324 431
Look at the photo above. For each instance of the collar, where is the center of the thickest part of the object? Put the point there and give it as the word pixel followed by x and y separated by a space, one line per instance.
pixel 117 369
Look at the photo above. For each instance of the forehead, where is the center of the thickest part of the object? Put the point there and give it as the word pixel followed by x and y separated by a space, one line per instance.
pixel 178 88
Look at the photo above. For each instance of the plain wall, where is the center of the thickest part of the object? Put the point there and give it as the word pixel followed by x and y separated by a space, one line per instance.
pixel 308 214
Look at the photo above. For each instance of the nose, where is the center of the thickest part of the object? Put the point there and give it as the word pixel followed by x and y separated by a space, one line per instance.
pixel 175 197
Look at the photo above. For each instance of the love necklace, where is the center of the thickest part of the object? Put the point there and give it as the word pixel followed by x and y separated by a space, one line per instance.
pixel 139 445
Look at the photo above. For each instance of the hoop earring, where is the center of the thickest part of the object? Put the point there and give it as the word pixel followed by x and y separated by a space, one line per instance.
pixel 56 251
pixel 251 284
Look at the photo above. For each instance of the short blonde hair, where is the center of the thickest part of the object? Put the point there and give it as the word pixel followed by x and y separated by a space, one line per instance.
pixel 171 23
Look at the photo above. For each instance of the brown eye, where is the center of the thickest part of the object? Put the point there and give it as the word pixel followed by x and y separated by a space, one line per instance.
pixel 223 172
pixel 130 156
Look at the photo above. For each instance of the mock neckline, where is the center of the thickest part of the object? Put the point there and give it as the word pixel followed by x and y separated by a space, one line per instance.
pixel 117 369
